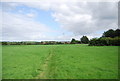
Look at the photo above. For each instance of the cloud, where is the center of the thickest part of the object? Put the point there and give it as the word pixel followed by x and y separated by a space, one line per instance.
pixel 87 18
pixel 80 18
pixel 20 27
pixel 60 0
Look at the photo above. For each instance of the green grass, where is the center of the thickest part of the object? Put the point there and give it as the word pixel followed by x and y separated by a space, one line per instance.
pixel 0 62
pixel 60 62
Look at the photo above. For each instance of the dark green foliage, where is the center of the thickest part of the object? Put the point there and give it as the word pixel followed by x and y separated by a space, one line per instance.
pixel 73 41
pixel 85 40
pixel 117 33
pixel 20 43
pixel 106 41
pixel 109 38
pixel 4 43
pixel 59 43
pixel 78 42
pixel 111 33
pixel 34 43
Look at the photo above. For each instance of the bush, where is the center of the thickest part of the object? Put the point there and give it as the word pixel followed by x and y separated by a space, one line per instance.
pixel 105 41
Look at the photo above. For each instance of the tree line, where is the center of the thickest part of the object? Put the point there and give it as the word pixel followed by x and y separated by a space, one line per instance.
pixel 108 38
pixel 34 43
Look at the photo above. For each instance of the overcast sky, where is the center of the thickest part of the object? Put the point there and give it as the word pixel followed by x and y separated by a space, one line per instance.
pixel 56 20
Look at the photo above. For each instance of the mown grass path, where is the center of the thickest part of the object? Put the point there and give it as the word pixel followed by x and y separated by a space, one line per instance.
pixel 44 67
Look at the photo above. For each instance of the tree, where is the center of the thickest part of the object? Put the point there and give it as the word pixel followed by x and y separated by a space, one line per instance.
pixel 84 40
pixel 105 41
pixel 109 33
pixel 73 41
pixel 109 38
pixel 117 33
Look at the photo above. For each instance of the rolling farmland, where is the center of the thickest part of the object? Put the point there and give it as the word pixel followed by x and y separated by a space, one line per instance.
pixel 59 62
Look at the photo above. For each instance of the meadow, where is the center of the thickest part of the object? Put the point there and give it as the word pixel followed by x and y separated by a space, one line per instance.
pixel 74 61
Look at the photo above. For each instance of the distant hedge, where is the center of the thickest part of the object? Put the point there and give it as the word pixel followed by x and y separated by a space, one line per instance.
pixel 33 43
pixel 20 43
pixel 105 41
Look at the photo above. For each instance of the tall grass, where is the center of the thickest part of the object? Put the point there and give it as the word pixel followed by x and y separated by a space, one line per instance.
pixel 67 61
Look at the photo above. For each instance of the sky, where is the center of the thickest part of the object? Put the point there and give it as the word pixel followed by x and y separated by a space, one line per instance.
pixel 56 20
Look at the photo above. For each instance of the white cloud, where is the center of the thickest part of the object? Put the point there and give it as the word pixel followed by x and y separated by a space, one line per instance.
pixel 87 18
pixel 80 18
pixel 60 0
pixel 20 27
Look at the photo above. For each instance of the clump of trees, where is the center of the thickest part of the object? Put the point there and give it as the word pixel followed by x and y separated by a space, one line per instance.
pixel 73 41
pixel 112 33
pixel 109 38
pixel 107 41
pixel 83 40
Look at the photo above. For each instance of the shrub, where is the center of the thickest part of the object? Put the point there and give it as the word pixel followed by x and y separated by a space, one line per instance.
pixel 105 41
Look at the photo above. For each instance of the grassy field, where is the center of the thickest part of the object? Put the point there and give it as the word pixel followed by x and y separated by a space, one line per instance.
pixel 60 62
